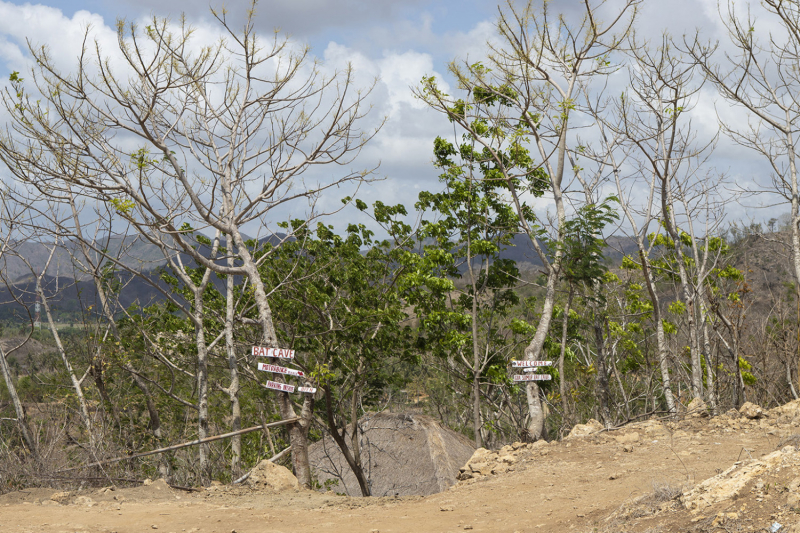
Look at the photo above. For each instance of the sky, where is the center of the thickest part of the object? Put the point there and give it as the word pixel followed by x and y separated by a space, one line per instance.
pixel 394 41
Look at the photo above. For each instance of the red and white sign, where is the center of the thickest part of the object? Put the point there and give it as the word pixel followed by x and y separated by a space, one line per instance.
pixel 534 377
pixel 283 353
pixel 521 364
pixel 310 390
pixel 280 386
pixel 264 367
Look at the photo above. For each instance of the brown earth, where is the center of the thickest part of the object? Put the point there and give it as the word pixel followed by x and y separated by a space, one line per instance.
pixel 645 477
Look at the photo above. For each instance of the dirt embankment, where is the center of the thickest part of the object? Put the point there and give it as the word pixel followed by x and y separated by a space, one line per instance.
pixel 724 474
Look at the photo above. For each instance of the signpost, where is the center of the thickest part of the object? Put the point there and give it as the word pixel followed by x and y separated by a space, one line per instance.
pixel 533 377
pixel 282 353
pixel 523 364
pixel 283 387
pixel 264 367
pixel 261 351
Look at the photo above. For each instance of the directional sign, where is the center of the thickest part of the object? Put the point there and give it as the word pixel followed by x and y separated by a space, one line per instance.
pixel 264 367
pixel 520 364
pixel 280 386
pixel 283 353
pixel 530 369
pixel 310 390
pixel 534 377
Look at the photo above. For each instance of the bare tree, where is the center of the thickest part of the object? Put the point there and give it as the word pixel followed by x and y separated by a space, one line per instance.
pixel 215 137
pixel 652 120
pixel 10 213
pixel 524 100
pixel 760 76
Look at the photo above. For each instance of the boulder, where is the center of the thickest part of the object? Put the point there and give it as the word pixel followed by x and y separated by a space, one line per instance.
pixel 697 408
pixel 267 476
pixel 584 430
pixel 751 411
pixel 402 454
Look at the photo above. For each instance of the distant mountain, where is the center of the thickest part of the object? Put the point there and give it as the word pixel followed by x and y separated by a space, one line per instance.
pixel 132 251
pixel 73 291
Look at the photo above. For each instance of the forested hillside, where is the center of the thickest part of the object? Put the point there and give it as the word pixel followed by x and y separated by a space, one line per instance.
pixel 176 266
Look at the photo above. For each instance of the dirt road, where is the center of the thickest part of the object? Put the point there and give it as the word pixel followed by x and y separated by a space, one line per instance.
pixel 574 485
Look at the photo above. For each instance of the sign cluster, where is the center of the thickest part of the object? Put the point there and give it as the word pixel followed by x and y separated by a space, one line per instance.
pixel 280 353
pixel 531 366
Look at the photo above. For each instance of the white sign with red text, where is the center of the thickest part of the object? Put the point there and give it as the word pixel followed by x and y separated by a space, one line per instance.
pixel 264 367
pixel 310 390
pixel 280 386
pixel 534 377
pixel 521 364
pixel 283 353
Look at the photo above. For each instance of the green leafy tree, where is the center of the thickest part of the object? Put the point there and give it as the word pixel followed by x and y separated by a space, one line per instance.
pixel 461 288
pixel 338 304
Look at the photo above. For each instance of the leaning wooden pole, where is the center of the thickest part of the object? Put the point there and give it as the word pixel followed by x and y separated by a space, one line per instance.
pixel 185 444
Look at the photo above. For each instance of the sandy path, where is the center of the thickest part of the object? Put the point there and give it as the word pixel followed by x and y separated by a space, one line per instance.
pixel 563 486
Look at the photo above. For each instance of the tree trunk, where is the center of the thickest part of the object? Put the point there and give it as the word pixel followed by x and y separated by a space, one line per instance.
pixel 233 388
pixel 19 409
pixel 298 430
pixel 710 392
pixel 533 351
pixel 661 338
pixel 353 457
pixel 202 385
pixel 562 383
pixel 601 365
pixel 76 385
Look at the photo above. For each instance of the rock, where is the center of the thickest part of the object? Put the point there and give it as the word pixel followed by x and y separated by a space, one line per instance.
pixel 409 454
pixel 628 448
pixel 732 482
pixel 481 468
pixel 584 430
pixel 60 497
pixel 751 411
pixel 84 500
pixel 500 468
pixel 732 413
pixel 269 476
pixel 480 455
pixel 697 408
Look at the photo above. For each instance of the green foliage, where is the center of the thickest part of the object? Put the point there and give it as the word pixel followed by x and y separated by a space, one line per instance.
pixel 582 242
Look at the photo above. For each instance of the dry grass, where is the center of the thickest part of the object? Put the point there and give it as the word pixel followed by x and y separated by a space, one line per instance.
pixel 664 491
pixel 791 440
pixel 661 498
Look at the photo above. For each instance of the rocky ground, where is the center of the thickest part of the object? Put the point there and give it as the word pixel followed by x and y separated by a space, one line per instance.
pixel 733 473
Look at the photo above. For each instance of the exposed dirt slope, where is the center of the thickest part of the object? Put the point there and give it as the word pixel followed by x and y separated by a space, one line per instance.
pixel 644 478
pixel 402 454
